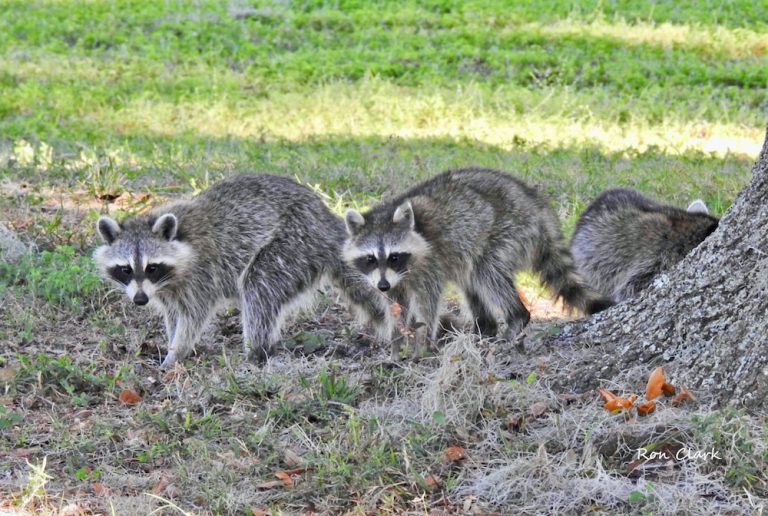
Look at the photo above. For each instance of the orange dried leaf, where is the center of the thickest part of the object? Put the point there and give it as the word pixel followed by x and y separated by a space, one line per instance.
pixel 270 484
pixel 537 409
pixel 285 477
pixel 655 383
pixel 607 395
pixel 431 480
pixel 668 389
pixel 682 396
pixel 100 488
pixel 454 453
pixel 617 404
pixel 395 310
pixel 129 397
pixel 646 408
pixel 159 487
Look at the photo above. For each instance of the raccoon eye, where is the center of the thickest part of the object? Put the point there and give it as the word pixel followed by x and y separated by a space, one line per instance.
pixel 370 258
pixel 394 257
pixel 126 269
pixel 151 269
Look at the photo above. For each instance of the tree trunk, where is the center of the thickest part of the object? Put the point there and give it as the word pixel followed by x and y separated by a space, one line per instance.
pixel 705 321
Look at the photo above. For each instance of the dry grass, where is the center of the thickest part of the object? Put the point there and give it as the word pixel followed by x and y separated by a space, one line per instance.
pixel 363 435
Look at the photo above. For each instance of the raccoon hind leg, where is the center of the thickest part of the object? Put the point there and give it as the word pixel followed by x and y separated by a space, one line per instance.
pixel 275 280
pixel 495 287
pixel 484 321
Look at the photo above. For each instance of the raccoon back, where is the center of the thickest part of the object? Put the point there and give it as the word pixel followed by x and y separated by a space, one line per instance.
pixel 623 239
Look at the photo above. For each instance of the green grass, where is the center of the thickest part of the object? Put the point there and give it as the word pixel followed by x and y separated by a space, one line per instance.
pixel 317 90
pixel 355 99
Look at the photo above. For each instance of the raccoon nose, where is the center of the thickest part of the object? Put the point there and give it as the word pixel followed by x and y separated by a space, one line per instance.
pixel 140 299
pixel 383 285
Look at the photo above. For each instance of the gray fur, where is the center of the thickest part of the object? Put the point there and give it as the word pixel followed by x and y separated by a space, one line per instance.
pixel 474 227
pixel 623 239
pixel 259 242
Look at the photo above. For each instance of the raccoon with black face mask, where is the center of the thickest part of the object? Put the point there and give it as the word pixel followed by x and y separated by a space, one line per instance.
pixel 259 242
pixel 623 240
pixel 474 227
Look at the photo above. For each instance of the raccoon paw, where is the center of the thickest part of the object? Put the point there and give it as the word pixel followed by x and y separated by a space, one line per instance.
pixel 169 361
pixel 259 354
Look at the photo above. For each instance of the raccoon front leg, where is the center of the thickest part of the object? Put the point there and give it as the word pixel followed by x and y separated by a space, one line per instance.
pixel 423 308
pixel 371 306
pixel 495 287
pixel 184 334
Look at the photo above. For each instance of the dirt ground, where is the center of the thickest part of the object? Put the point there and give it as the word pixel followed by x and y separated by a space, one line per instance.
pixel 329 424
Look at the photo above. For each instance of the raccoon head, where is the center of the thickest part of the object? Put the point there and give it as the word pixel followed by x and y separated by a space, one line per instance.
pixel 384 246
pixel 142 255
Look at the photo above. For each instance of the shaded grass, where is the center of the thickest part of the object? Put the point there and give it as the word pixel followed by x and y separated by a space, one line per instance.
pixel 356 171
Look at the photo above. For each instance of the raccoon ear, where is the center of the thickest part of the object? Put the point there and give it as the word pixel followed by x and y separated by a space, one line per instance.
pixel 697 206
pixel 404 215
pixel 166 226
pixel 354 220
pixel 108 229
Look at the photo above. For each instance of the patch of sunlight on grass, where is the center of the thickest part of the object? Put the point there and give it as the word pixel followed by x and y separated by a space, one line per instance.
pixel 359 110
pixel 716 40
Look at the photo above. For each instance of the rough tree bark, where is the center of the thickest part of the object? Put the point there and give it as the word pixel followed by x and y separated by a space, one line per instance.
pixel 706 320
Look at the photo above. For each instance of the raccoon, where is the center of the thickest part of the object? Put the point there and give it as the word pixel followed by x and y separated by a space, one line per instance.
pixel 623 239
pixel 475 227
pixel 259 242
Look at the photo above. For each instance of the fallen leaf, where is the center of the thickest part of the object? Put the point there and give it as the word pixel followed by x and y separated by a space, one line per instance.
pixel 431 480
pixel 395 310
pixel 258 512
pixel 454 453
pixel 291 458
pixel 270 484
pixel 7 374
pixel 100 488
pixel 655 384
pixel 668 389
pixel 171 491
pixel 614 403
pixel 682 396
pixel 129 397
pixel 607 395
pixel 72 509
pixel 515 423
pixel 159 487
pixel 643 409
pixel 24 452
pixel 537 409
pixel 285 477
pixel 620 403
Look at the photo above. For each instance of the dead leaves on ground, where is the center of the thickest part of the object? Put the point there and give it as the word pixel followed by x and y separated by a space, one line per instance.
pixel 656 386
pixel 285 479
pixel 129 397
pixel 535 411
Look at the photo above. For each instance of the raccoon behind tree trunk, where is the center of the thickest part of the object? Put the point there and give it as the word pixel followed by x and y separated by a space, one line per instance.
pixel 259 242
pixel 623 240
pixel 474 227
